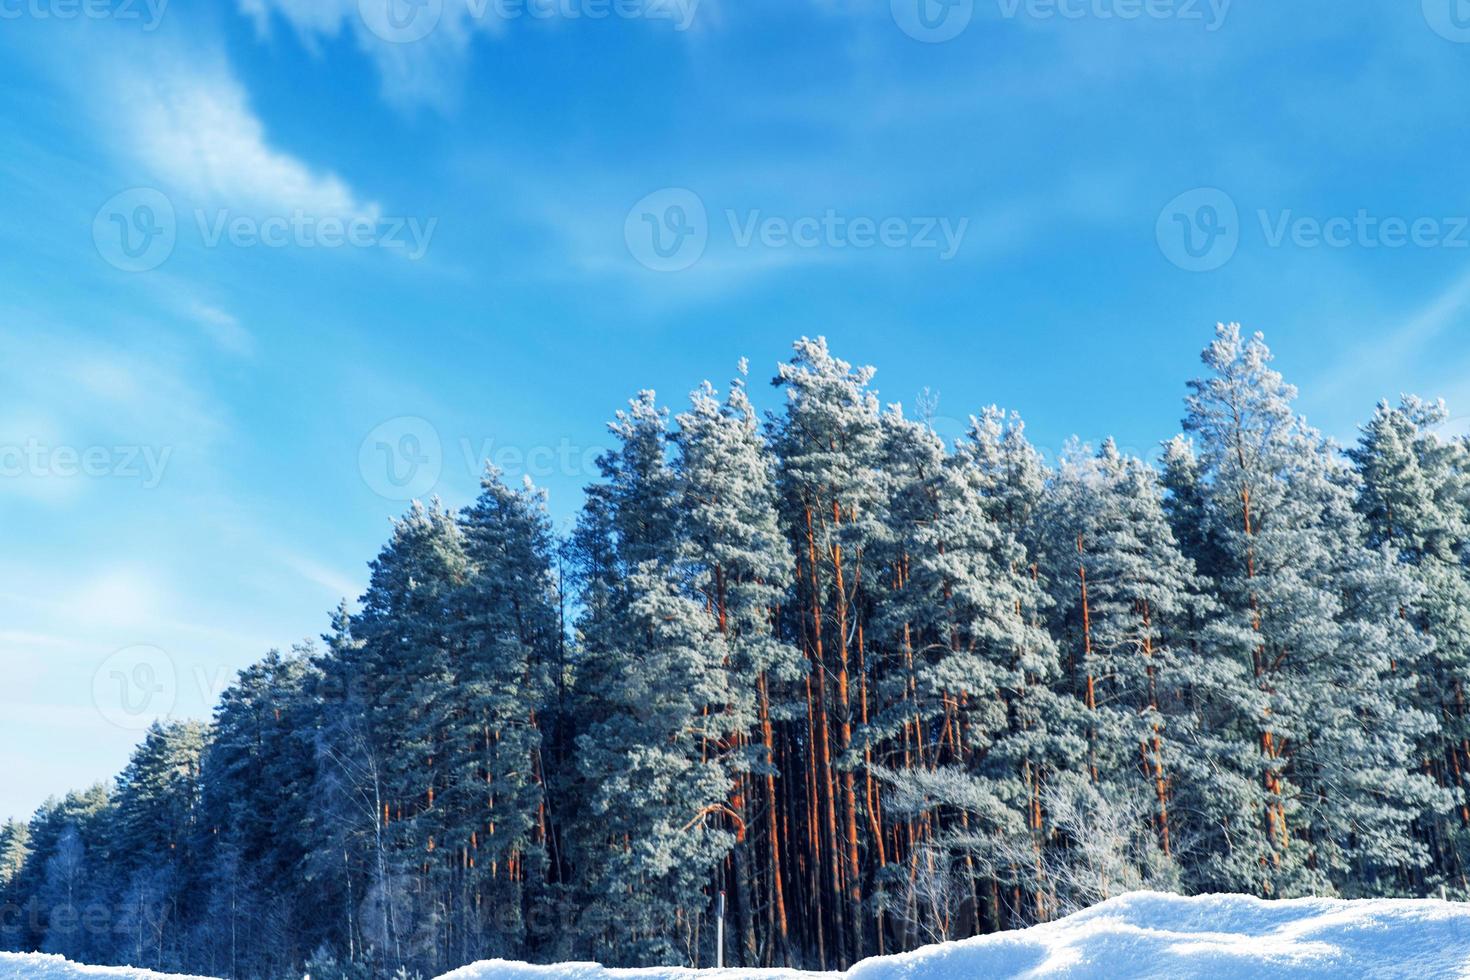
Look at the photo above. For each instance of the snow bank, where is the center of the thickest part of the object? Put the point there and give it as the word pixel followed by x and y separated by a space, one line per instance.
pixel 1147 934
pixel 1144 934
pixel 25 966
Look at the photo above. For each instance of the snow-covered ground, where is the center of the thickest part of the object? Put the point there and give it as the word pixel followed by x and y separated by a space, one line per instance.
pixel 1146 934
pixel 1139 935
pixel 24 966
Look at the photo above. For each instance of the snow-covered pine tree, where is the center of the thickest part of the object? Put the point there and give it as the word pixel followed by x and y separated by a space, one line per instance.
pixel 650 686
pixel 75 880
pixel 155 818
pixel 1126 604
pixel 15 850
pixel 1315 615
pixel 827 444
pixel 47 888
pixel 1219 780
pixel 1038 751
pixel 1415 496
pixel 1187 504
pixel 409 647
pixel 741 567
pixel 344 817
pixel 507 631
pixel 946 617
pixel 1077 504
pixel 14 838
pixel 253 834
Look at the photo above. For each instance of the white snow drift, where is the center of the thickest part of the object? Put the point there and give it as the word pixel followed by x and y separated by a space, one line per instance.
pixel 1144 934
pixel 41 966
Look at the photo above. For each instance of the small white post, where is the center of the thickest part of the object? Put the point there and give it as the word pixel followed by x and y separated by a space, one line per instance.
pixel 720 932
pixel 1443 897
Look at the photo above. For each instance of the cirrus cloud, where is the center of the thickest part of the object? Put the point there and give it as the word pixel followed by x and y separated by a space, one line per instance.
pixel 191 124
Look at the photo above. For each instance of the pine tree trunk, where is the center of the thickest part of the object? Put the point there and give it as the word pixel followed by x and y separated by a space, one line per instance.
pixel 824 758
pixel 780 932
pixel 1091 693
pixel 844 723
pixel 1276 831
pixel 1161 785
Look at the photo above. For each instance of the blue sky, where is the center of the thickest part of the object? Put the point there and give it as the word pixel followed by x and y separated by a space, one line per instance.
pixel 200 398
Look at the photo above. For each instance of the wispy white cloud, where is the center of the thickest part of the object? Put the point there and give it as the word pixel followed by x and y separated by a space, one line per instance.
pixel 172 112
pixel 425 70
pixel 421 49
pixel 189 121
pixel 83 408
pixel 223 328
pixel 1393 347
pixel 119 597
pixel 335 584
